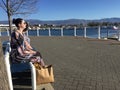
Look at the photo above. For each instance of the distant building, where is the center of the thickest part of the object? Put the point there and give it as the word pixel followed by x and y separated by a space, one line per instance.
pixel 6 25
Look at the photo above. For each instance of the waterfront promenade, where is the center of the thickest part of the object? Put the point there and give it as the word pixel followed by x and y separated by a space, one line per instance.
pixel 81 64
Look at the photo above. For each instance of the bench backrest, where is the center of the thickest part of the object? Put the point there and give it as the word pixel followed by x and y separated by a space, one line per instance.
pixel 15 67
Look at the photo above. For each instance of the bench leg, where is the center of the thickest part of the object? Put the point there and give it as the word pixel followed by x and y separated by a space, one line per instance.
pixel 33 76
pixel 7 64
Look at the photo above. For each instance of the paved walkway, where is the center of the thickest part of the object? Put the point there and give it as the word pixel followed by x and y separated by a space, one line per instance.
pixel 81 64
pixel 3 74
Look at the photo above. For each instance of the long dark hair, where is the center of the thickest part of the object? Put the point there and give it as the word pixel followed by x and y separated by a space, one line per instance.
pixel 17 21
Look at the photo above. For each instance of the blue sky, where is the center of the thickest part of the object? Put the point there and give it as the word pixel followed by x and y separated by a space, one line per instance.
pixel 73 9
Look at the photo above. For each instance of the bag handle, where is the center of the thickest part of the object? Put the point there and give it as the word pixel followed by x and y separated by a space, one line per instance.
pixel 38 65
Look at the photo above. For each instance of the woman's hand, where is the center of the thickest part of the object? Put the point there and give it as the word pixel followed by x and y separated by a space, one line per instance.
pixel 30 52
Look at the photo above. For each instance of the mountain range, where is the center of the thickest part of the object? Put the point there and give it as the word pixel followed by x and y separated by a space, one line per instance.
pixel 68 21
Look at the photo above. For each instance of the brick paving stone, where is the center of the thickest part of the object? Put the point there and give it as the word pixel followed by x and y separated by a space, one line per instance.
pixel 99 87
pixel 81 64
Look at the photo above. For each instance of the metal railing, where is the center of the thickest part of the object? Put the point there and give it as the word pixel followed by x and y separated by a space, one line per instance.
pixel 90 32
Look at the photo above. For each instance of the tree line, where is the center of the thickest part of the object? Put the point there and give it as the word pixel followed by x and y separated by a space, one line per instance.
pixel 89 24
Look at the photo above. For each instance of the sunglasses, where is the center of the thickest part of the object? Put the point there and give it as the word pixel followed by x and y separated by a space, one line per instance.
pixel 24 23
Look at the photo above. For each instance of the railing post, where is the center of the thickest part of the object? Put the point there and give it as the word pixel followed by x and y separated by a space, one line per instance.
pixel 99 32
pixel 0 32
pixel 84 32
pixel 119 35
pixel 75 31
pixel 61 31
pixel 107 33
pixel 27 32
pixel 37 32
pixel 8 32
pixel 49 31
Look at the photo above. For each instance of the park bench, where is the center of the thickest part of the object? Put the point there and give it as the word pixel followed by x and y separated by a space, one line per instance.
pixel 21 67
pixel 17 67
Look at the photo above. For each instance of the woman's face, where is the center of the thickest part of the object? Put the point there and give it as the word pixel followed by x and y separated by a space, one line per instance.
pixel 22 24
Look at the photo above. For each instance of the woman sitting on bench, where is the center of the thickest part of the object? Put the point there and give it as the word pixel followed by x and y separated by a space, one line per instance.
pixel 18 51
